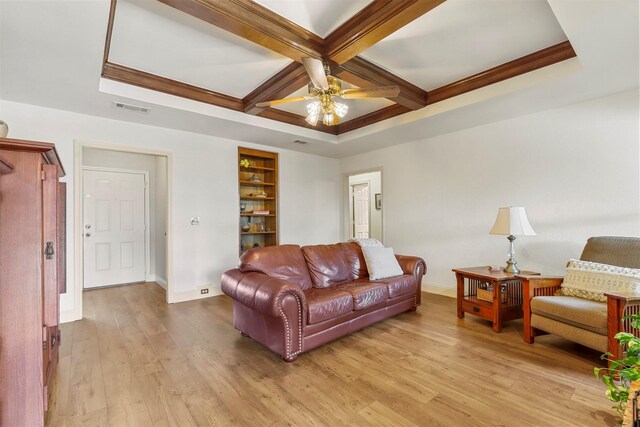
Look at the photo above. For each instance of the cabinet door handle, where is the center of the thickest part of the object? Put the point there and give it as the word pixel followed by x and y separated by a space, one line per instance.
pixel 476 309
pixel 49 251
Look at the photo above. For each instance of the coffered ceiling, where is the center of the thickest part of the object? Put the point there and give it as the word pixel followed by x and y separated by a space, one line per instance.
pixel 52 56
pixel 237 53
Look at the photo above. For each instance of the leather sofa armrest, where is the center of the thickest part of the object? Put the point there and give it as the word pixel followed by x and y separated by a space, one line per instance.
pixel 259 291
pixel 412 265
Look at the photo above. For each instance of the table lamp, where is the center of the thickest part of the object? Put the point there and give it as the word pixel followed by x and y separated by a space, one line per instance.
pixel 512 221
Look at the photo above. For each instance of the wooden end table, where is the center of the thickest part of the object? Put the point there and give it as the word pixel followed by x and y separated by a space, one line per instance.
pixel 468 281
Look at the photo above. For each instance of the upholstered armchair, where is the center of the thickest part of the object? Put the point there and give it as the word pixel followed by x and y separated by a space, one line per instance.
pixel 590 323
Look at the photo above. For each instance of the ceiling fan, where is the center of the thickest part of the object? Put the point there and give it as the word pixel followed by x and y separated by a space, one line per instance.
pixel 323 90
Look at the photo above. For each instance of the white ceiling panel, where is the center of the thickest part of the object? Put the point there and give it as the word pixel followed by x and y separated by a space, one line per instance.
pixel 153 37
pixel 320 17
pixel 460 38
pixel 357 107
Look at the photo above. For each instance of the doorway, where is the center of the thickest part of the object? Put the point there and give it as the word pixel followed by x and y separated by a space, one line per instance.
pixel 360 227
pixel 116 238
pixel 124 218
pixel 365 205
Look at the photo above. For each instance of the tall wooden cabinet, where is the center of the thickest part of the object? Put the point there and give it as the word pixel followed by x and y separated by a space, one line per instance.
pixel 258 187
pixel 30 275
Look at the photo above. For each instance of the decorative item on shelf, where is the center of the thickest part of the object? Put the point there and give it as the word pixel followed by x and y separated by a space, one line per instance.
pixel 244 163
pixel 512 221
pixel 4 129
pixel 246 224
pixel 255 178
pixel 262 194
pixel 495 268
pixel 485 293
pixel 263 212
pixel 243 207
pixel 262 228
pixel 256 245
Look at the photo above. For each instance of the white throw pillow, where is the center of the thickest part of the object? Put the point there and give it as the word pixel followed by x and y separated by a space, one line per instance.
pixel 592 280
pixel 381 262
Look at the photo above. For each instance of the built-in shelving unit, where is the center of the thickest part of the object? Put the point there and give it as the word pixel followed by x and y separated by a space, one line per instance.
pixel 258 187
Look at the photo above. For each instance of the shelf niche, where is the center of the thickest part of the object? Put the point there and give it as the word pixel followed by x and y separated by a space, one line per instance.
pixel 260 177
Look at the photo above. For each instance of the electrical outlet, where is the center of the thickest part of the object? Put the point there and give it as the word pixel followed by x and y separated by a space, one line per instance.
pixel 204 291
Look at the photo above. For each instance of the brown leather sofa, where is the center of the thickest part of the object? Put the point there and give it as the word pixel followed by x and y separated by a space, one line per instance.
pixel 294 299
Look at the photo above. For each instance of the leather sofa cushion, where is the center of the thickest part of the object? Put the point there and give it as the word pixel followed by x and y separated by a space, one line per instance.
pixel 328 264
pixel 325 304
pixel 365 295
pixel 355 258
pixel 401 285
pixel 579 312
pixel 284 262
pixel 396 286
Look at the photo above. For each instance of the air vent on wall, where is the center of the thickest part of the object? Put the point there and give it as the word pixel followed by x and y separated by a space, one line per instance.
pixel 130 107
pixel 301 142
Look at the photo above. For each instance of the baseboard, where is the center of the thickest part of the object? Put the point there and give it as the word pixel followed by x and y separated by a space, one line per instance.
pixel 194 294
pixel 161 281
pixel 439 290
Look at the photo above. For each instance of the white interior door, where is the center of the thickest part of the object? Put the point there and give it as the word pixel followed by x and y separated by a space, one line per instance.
pixel 114 228
pixel 361 211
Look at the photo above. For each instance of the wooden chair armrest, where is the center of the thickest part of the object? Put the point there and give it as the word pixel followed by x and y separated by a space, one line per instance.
pixel 535 282
pixel 623 296
pixel 533 286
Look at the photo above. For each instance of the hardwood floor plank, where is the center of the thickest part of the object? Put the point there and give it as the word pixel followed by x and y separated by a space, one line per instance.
pixel 379 415
pixel 137 361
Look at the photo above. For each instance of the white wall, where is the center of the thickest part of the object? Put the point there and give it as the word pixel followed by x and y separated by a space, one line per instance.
pixel 204 184
pixel 160 208
pixel 375 215
pixel 575 169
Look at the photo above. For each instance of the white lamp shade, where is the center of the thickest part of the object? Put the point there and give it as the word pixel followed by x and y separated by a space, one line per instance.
pixel 512 221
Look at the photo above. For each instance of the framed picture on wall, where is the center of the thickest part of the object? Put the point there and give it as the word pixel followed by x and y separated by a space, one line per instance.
pixel 378 201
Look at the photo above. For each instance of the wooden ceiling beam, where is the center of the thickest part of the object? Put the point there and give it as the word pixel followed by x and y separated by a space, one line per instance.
pixel 371 118
pixel 542 58
pixel 362 73
pixel 281 85
pixel 256 23
pixel 146 80
pixel 294 119
pixel 372 24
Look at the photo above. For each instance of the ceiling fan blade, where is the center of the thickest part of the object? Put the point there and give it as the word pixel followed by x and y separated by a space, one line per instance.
pixel 315 69
pixel 374 92
pixel 282 101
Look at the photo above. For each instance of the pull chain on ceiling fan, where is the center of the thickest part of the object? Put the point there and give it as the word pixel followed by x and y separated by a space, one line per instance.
pixel 322 91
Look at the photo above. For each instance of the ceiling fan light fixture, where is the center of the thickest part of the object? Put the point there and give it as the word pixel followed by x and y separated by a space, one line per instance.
pixel 330 119
pixel 340 109
pixel 312 118
pixel 314 107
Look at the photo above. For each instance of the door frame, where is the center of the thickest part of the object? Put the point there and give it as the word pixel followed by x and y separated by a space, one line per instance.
pixel 78 208
pixel 352 211
pixel 147 217
pixel 346 188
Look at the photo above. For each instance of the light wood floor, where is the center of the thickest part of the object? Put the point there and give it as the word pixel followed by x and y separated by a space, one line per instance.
pixel 137 361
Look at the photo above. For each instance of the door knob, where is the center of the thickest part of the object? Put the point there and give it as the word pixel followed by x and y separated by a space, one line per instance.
pixel 88 235
pixel 87 226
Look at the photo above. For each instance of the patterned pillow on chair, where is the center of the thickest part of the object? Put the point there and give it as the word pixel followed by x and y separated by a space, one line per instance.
pixel 592 280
